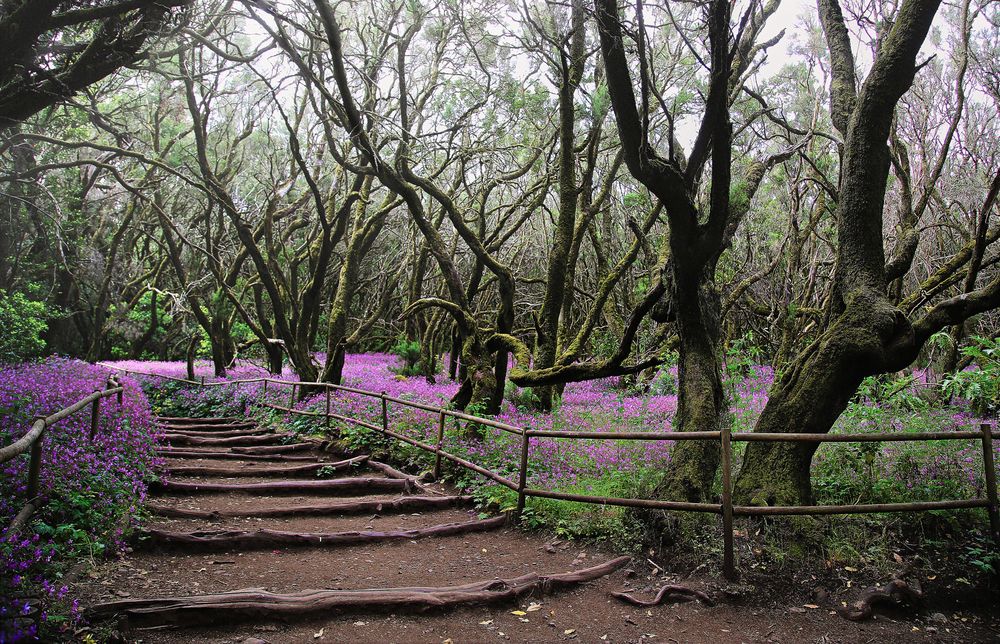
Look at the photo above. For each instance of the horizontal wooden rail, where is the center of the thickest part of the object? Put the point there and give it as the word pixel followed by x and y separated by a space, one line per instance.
pixel 683 506
pixel 627 436
pixel 855 438
pixel 32 443
pixel 862 508
pixel 727 509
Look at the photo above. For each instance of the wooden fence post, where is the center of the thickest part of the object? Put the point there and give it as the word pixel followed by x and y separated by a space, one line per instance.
pixel 522 475
pixel 95 408
pixel 291 399
pixel 991 482
pixel 35 464
pixel 728 555
pixel 385 413
pixel 327 418
pixel 440 442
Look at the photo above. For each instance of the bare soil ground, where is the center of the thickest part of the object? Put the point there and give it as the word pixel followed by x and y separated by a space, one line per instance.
pixel 760 609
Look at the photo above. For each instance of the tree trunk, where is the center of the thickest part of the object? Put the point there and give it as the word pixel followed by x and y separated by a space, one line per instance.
pixel 811 396
pixel 701 399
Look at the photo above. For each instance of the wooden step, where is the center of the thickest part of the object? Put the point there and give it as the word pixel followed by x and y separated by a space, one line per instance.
pixel 255 604
pixel 403 504
pixel 310 469
pixel 333 486
pixel 264 538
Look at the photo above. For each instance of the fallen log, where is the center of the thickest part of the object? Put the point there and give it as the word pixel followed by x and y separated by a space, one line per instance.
pixel 401 504
pixel 273 449
pixel 264 538
pixel 292 470
pixel 190 453
pixel 254 604
pixel 667 593
pixel 334 486
pixel 181 439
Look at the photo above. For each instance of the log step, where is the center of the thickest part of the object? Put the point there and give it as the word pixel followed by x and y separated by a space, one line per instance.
pixel 215 420
pixel 205 427
pixel 334 486
pixel 243 605
pixel 188 453
pixel 403 504
pixel 274 449
pixel 310 469
pixel 181 439
pixel 221 433
pixel 264 538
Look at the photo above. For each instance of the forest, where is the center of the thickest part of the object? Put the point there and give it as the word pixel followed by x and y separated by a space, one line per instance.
pixel 781 216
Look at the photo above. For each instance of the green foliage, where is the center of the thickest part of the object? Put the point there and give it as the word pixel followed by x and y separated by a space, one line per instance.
pixel 409 352
pixel 23 323
pixel 665 383
pixel 525 399
pixel 741 357
pixel 981 385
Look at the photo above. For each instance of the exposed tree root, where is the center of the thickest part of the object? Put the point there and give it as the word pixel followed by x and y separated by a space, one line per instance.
pixel 665 594
pixel 245 605
pixel 293 470
pixel 273 449
pixel 393 473
pixel 244 539
pixel 190 453
pixel 342 486
pixel 896 593
pixel 181 439
pixel 401 504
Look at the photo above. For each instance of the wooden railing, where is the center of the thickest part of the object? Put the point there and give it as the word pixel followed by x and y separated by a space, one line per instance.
pixel 33 442
pixel 726 508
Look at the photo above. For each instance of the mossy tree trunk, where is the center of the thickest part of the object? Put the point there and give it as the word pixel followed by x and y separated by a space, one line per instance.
pixel 570 72
pixel 868 333
pixel 695 246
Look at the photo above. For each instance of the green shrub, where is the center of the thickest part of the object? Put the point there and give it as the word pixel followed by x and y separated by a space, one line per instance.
pixel 980 386
pixel 23 323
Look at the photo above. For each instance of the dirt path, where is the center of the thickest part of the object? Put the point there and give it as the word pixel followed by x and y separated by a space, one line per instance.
pixel 299 532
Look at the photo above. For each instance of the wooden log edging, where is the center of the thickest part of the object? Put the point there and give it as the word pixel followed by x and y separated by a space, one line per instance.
pixel 273 449
pixel 291 470
pixel 168 452
pixel 244 605
pixel 333 486
pixel 244 440
pixel 257 431
pixel 205 420
pixel 397 505
pixel 194 427
pixel 265 538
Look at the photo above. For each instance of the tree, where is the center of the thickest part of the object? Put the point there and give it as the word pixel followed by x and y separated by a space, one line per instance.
pixel 52 49
pixel 868 332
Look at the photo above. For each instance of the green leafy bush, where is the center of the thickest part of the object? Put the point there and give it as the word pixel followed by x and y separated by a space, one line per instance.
pixel 23 323
pixel 409 352
pixel 981 385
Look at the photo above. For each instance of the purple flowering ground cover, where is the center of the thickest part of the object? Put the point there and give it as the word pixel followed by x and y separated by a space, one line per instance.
pixel 842 472
pixel 93 490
